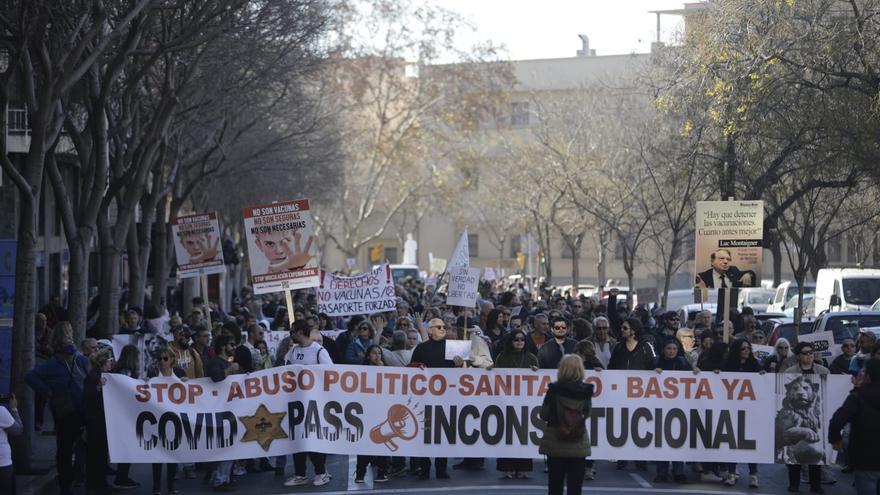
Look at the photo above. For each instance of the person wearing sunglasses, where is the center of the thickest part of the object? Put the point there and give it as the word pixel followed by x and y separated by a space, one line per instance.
pixel 432 354
pixel 515 355
pixel 561 344
pixel 805 355
pixel 781 358
pixel 166 365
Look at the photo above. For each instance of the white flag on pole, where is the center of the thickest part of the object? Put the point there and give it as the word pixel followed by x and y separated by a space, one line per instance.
pixel 461 255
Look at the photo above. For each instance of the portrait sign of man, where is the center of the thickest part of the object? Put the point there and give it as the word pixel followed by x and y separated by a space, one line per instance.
pixel 723 274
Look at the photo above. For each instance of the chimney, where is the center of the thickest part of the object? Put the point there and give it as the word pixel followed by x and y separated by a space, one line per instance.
pixel 585 47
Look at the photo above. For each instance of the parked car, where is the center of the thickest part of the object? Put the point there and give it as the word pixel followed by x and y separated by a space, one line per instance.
pixel 876 305
pixel 756 298
pixel 845 324
pixel 783 294
pixel 807 308
pixel 784 328
pixel 846 289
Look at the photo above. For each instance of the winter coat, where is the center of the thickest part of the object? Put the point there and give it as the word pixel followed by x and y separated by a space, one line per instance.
pixel 861 410
pixel 572 395
pixel 549 355
pixel 640 358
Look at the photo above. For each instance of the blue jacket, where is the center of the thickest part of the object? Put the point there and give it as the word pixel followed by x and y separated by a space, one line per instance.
pixel 356 350
pixel 54 378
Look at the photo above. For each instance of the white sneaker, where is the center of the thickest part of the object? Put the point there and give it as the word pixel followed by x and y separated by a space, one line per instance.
pixel 322 479
pixel 296 481
pixel 710 477
pixel 238 469
pixel 730 480
pixel 753 481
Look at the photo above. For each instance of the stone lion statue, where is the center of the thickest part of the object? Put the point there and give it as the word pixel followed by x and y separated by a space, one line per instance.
pixel 798 424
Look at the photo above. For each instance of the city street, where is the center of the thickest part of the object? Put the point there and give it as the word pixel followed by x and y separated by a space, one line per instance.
pixel 489 481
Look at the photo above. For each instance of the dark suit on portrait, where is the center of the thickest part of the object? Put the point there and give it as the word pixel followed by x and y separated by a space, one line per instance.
pixel 733 273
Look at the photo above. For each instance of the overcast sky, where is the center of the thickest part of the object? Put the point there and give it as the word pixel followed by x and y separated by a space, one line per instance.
pixel 549 28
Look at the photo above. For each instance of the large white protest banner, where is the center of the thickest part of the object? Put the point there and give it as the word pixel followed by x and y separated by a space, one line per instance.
pixel 462 287
pixel 197 244
pixel 280 251
pixel 367 410
pixel 729 239
pixel 371 292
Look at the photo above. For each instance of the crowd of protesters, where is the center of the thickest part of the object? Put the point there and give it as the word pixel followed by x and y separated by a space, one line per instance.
pixel 508 328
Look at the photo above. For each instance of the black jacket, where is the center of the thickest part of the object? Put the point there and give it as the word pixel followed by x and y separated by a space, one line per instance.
pixel 860 409
pixel 733 273
pixel 549 355
pixel 432 353
pixel 640 358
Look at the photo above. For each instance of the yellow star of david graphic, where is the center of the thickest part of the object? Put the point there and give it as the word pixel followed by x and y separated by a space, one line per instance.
pixel 263 427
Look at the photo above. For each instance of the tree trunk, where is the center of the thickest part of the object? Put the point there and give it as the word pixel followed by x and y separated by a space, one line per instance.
pixel 108 316
pixel 632 290
pixel 602 262
pixel 775 247
pixel 161 260
pixel 23 326
pixel 136 276
pixel 876 258
pixel 78 286
pixel 548 257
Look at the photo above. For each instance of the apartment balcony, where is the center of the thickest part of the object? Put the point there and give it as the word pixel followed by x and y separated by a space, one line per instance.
pixel 18 133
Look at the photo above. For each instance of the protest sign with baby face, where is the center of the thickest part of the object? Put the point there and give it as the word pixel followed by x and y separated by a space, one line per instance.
pixel 280 246
pixel 197 244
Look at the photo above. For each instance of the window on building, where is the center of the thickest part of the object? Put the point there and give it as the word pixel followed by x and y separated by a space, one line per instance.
pixel 474 245
pixel 519 114
pixel 833 249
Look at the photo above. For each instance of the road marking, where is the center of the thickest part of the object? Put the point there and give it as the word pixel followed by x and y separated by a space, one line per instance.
pixel 641 481
pixel 535 488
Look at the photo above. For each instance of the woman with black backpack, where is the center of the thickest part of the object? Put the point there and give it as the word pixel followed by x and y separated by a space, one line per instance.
pixel 565 442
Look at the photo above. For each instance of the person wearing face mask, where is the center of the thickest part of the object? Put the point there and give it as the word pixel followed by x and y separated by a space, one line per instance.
pixel 61 379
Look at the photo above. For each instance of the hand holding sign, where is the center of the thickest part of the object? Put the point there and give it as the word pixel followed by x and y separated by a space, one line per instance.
pixel 293 259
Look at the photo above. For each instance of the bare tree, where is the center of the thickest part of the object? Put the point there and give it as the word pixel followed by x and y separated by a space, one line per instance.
pixel 401 112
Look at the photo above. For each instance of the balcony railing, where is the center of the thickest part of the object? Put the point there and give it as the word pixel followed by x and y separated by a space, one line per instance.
pixel 17 122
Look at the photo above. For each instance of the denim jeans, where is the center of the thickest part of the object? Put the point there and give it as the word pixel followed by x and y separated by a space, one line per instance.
pixel 223 472
pixel 867 482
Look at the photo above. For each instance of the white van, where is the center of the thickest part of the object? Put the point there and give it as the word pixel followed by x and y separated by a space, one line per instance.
pixel 846 289
pixel 783 294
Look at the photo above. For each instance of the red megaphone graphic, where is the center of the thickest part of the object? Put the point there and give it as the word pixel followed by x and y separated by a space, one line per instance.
pixel 401 423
